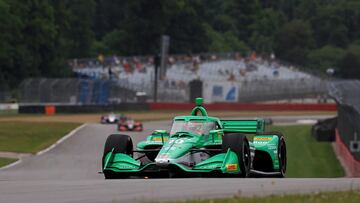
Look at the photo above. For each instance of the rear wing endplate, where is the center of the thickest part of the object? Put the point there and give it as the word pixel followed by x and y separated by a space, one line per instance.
pixel 243 126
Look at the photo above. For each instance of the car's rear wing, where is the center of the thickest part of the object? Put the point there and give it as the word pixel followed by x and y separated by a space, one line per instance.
pixel 243 126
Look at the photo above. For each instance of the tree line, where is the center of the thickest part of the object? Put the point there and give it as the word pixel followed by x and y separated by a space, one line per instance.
pixel 38 36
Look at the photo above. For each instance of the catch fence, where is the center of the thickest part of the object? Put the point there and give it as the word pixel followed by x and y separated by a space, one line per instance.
pixel 90 91
pixel 272 90
pixel 73 91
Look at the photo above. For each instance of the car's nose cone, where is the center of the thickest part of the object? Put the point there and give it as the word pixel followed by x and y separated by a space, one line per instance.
pixel 162 160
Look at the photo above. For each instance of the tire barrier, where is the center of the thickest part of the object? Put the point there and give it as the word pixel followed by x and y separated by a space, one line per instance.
pixel 324 130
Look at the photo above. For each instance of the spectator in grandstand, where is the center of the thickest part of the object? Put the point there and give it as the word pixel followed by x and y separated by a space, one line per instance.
pixel 111 74
pixel 181 84
pixel 220 71
pixel 227 72
pixel 173 84
pixel 238 56
pixel 166 84
pixel 171 60
pixel 213 57
pixel 127 66
pixel 138 65
pixel 231 77
pixel 242 72
pixel 276 73
pixel 150 61
pixel 116 60
pixel 101 58
pixel 272 56
pixel 195 62
pixel 253 56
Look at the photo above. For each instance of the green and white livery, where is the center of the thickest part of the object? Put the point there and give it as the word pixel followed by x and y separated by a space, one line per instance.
pixel 198 145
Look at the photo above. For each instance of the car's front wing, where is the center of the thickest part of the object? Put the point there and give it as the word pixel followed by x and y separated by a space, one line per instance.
pixel 222 163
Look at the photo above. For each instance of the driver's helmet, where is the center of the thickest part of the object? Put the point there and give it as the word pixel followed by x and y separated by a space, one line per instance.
pixel 195 127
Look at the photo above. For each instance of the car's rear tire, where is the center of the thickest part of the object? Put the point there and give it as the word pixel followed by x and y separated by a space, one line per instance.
pixel 239 144
pixel 281 152
pixel 121 144
pixel 282 156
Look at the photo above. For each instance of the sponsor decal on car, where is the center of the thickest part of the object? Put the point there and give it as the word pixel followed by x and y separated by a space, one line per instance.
pixel 125 167
pixel 159 139
pixel 263 138
pixel 211 166
pixel 231 167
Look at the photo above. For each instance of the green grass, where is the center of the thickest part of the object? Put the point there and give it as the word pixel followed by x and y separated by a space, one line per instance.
pixel 6 161
pixel 8 113
pixel 323 197
pixel 27 137
pixel 306 157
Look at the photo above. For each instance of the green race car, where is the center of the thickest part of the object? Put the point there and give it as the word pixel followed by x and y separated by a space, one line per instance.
pixel 198 146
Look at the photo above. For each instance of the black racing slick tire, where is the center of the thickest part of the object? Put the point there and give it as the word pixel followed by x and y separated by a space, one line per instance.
pixel 282 156
pixel 281 152
pixel 239 144
pixel 121 144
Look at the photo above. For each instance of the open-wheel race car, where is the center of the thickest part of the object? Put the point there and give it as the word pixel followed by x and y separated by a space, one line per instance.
pixel 200 146
pixel 110 118
pixel 129 124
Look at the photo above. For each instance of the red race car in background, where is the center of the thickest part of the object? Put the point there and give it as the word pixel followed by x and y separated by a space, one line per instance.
pixel 128 124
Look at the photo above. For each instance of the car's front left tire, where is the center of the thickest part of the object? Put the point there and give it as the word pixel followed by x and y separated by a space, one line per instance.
pixel 121 144
pixel 239 144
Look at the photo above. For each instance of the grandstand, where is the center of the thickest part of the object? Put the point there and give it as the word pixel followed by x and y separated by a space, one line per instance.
pixel 251 76
pixel 217 70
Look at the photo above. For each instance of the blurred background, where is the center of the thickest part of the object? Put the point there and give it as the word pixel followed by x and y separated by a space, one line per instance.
pixel 87 51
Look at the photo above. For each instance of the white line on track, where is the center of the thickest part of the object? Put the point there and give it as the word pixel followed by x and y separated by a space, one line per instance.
pixel 11 165
pixel 61 140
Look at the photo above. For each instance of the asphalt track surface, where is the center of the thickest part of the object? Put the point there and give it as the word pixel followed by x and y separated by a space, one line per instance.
pixel 69 173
